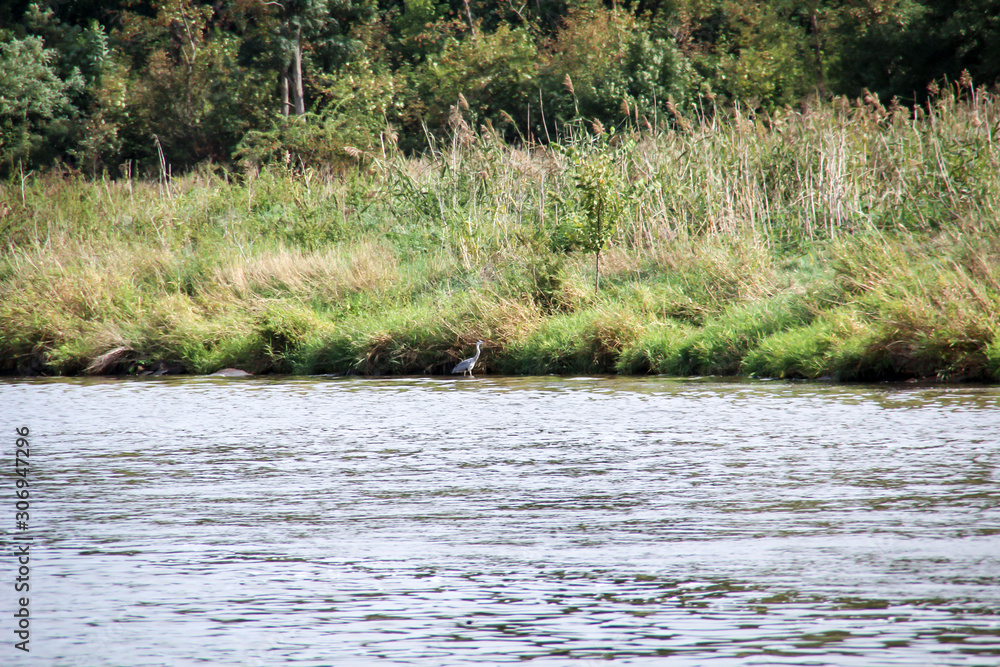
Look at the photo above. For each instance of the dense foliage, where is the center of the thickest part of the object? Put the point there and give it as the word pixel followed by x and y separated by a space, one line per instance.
pixel 143 86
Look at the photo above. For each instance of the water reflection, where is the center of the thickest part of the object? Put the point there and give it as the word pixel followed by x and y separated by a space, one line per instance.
pixel 440 521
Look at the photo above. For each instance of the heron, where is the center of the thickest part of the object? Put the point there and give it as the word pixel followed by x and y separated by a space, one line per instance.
pixel 466 366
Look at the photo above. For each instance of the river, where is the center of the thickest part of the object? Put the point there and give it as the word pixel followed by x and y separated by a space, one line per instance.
pixel 555 521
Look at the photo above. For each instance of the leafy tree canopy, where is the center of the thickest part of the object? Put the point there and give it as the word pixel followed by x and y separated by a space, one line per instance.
pixel 99 84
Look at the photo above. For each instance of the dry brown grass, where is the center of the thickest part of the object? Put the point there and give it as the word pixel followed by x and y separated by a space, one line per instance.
pixel 327 274
pixel 499 320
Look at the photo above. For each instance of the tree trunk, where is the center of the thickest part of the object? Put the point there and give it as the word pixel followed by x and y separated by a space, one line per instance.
pixel 597 272
pixel 300 103
pixel 468 13
pixel 284 92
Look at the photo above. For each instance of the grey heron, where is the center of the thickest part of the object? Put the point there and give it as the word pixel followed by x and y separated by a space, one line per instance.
pixel 466 366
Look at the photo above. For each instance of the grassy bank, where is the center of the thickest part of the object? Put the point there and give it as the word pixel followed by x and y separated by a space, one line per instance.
pixel 847 240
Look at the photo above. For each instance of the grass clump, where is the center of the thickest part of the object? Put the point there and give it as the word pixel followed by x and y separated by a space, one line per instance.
pixel 658 350
pixel 585 341
pixel 720 346
pixel 836 346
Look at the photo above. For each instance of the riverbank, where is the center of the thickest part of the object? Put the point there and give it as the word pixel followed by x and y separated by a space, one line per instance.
pixel 849 240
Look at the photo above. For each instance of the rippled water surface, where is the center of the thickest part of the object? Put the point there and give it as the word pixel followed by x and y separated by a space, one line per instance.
pixel 328 521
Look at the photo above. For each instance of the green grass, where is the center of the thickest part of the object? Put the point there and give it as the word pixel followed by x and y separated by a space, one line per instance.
pixel 836 243
pixel 586 341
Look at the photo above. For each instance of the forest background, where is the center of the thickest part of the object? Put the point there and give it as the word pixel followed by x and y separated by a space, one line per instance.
pixel 773 189
pixel 101 84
